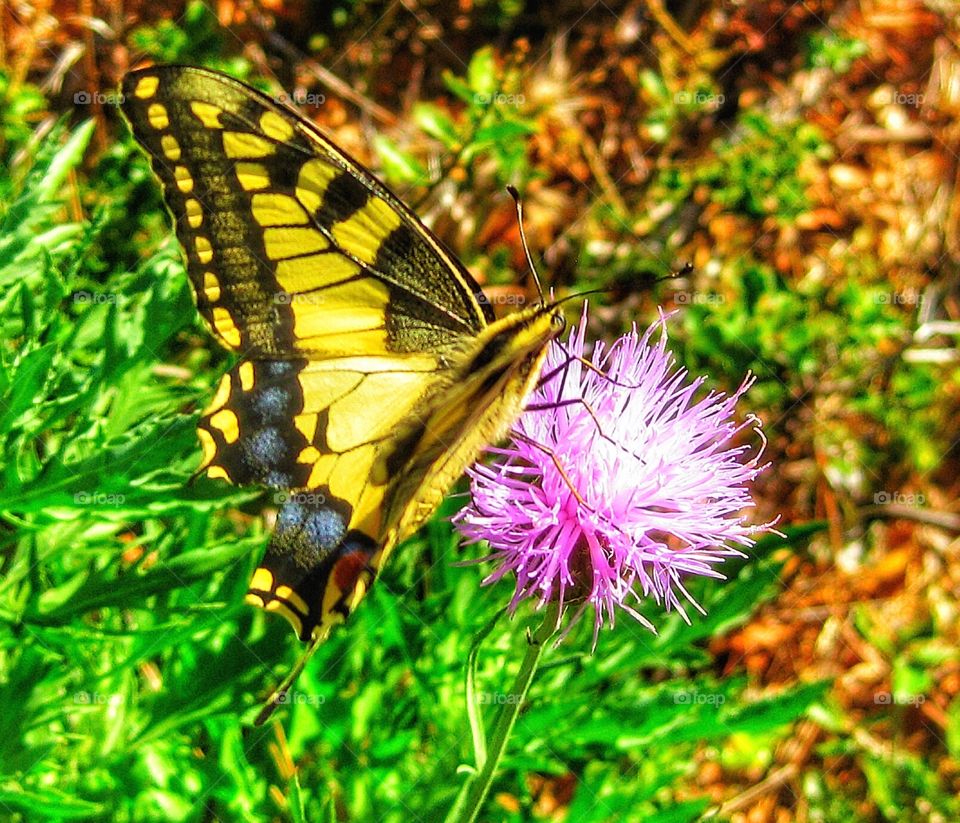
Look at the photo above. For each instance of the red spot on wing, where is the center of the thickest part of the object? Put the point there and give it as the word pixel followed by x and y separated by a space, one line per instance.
pixel 349 568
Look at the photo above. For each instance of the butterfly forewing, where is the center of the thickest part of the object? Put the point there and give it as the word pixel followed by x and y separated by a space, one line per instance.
pixel 291 246
pixel 372 371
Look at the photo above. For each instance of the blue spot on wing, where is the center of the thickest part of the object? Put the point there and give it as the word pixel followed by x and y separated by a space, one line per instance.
pixel 278 479
pixel 266 447
pixel 280 368
pixel 308 528
pixel 271 403
pixel 325 527
pixel 290 516
pixel 311 550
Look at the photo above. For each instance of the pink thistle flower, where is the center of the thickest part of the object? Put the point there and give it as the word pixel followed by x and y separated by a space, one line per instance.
pixel 616 486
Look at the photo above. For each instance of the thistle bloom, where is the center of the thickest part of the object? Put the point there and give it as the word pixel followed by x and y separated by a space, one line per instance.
pixel 618 483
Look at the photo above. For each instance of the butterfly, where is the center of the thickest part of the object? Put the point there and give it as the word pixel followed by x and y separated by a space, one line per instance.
pixel 371 368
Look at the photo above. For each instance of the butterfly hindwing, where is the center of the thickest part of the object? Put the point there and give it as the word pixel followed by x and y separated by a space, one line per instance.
pixel 315 569
pixel 246 432
pixel 368 490
pixel 333 465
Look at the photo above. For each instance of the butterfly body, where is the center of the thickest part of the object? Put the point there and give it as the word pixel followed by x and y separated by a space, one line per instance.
pixel 372 371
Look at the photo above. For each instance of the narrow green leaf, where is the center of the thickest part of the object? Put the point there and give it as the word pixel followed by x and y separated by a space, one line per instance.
pixel 399 166
pixel 105 590
pixel 482 72
pixel 49 804
pixel 437 123
pixel 66 159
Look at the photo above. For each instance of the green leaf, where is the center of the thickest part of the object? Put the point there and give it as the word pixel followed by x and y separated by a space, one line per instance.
pixel 103 589
pixel 437 123
pixel 482 72
pixel 30 375
pixel 49 804
pixel 771 712
pixel 399 166
pixel 882 786
pixel 688 810
pixel 298 813
pixel 458 86
pixel 953 728
pixel 65 160
pixel 503 131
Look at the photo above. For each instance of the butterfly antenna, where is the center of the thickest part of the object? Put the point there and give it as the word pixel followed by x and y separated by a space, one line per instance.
pixel 279 696
pixel 685 269
pixel 523 239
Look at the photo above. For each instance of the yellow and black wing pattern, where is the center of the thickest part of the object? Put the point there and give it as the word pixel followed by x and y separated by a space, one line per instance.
pixel 371 368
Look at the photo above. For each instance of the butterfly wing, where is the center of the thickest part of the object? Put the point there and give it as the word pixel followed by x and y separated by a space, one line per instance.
pixel 292 247
pixel 372 371
pixel 351 318
pixel 326 433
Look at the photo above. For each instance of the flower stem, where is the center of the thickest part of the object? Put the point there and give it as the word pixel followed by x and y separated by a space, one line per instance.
pixel 475 790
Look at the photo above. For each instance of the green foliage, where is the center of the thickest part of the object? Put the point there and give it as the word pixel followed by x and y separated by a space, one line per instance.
pixel 758 170
pixel 19 108
pixel 493 126
pixel 123 641
pixel 789 335
pixel 829 49
pixel 195 38
pixel 916 653
pixel 110 559
pixel 668 110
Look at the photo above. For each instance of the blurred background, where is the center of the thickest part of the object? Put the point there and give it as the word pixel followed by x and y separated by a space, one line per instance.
pixel 801 156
